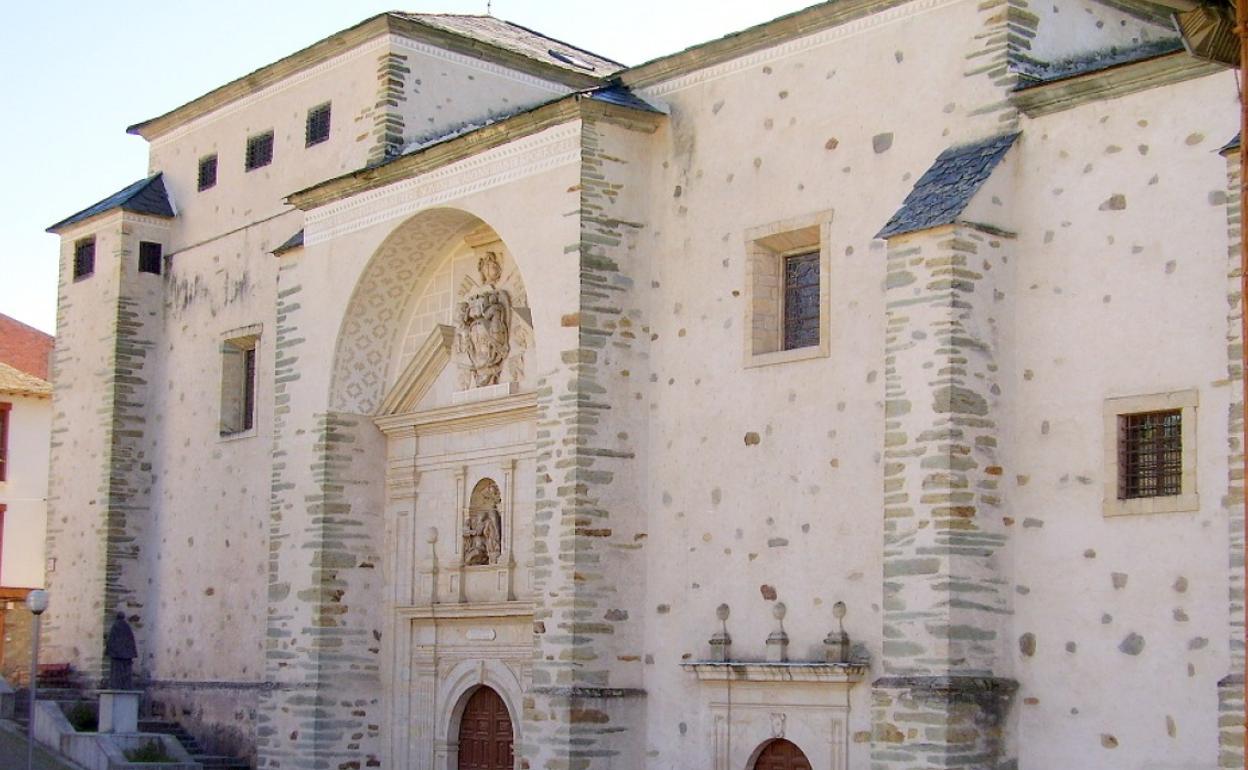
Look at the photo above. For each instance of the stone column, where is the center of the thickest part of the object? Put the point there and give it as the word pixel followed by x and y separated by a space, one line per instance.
pixel 943 699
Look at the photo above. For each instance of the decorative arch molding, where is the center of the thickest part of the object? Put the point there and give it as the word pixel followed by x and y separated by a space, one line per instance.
pixel 453 693
pixel 374 317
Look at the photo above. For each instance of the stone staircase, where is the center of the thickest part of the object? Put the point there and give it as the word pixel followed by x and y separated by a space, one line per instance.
pixel 209 761
pixel 66 693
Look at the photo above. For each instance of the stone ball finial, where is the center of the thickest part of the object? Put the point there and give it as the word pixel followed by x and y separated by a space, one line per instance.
pixel 779 610
pixel 431 535
pixel 839 610
pixel 721 612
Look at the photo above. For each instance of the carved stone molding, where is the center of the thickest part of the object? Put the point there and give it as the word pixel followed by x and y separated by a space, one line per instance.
pixel 749 671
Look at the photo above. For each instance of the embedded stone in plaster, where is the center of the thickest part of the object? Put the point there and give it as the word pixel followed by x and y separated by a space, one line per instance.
pixel 1133 644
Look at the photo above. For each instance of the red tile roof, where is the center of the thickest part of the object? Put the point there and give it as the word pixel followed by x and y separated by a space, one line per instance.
pixel 24 348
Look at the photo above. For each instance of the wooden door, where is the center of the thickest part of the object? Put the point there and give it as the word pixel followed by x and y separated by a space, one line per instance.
pixel 485 733
pixel 781 755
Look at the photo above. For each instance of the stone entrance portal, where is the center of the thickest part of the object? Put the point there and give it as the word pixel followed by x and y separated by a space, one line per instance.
pixel 778 755
pixel 485 734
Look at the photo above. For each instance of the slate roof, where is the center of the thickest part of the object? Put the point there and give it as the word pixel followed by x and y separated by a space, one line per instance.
pixel 146 196
pixel 1231 145
pixel 944 191
pixel 24 347
pixel 293 242
pixel 520 40
pixel 19 382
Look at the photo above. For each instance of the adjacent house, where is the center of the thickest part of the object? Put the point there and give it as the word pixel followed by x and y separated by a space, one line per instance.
pixel 860 390
pixel 25 434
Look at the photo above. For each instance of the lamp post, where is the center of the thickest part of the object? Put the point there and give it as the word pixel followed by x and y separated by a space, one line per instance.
pixel 36 602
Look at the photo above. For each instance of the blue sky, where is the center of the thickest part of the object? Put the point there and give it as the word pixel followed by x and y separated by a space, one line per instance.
pixel 75 74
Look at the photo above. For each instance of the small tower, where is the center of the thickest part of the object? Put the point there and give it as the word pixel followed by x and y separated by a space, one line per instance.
pixel 109 321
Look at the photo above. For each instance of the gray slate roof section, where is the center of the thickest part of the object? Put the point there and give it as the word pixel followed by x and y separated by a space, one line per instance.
pixel 146 196
pixel 293 242
pixel 521 40
pixel 945 190
pixel 1231 145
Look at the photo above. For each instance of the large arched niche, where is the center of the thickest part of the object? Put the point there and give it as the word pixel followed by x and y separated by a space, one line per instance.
pixel 384 320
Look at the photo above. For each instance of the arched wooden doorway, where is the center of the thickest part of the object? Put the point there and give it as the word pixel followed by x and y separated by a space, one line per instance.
pixel 485 733
pixel 781 755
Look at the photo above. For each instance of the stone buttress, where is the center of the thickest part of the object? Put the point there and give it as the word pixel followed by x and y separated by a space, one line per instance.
pixel 584 708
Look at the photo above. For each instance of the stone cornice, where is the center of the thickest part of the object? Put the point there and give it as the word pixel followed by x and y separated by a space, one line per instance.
pixel 758 671
pixel 776 39
pixel 450 611
pixel 372 30
pixel 480 414
pixel 1111 82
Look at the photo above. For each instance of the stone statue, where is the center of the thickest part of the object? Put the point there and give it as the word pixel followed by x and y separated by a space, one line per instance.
pixel 482 324
pixel 483 537
pixel 120 649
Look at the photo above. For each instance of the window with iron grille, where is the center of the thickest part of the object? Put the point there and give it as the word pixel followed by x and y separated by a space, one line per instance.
pixel 801 300
pixel 84 258
pixel 1150 454
pixel 4 439
pixel 207 172
pixel 149 257
pixel 317 128
pixel 259 150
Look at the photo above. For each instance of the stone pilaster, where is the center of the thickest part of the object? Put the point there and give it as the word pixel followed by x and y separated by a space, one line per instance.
pixel 1231 687
pixel 322 658
pixel 585 706
pixel 942 700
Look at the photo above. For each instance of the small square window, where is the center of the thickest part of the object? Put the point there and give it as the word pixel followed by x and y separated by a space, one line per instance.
pixel 259 150
pixel 317 128
pixel 84 258
pixel 238 385
pixel 1151 454
pixel 787 290
pixel 207 172
pixel 149 257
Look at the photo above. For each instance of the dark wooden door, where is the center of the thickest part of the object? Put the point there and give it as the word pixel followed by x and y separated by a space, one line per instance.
pixel 485 733
pixel 781 755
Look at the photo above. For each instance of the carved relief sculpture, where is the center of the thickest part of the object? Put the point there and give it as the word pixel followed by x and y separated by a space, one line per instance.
pixel 483 536
pixel 482 325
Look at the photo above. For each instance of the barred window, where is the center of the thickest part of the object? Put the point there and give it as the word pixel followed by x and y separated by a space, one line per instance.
pixel 84 258
pixel 317 129
pixel 259 150
pixel 801 301
pixel 1150 454
pixel 207 172
pixel 149 257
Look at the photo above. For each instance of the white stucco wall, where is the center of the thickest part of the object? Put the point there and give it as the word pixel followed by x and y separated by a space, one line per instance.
pixel 24 491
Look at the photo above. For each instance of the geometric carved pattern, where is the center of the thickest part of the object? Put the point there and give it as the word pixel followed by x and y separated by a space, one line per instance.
pixel 370 327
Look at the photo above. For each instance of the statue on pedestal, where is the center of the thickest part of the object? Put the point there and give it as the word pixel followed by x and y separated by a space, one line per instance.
pixel 120 649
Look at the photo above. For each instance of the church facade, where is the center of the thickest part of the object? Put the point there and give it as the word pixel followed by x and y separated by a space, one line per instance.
pixel 861 390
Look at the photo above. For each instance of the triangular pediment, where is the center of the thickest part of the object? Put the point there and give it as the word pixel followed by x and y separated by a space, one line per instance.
pixel 420 373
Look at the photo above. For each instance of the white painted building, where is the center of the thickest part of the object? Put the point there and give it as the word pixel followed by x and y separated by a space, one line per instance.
pixel 445 391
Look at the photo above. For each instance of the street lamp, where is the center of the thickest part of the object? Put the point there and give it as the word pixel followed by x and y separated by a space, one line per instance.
pixel 36 602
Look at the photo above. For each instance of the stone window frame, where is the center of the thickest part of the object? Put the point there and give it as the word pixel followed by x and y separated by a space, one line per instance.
pixel 84 258
pixel 766 248
pixel 234 393
pixel 1188 500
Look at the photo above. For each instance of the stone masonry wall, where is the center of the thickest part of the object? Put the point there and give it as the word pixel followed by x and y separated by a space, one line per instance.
pixel 1231 687
pixel 942 700
pixel 584 708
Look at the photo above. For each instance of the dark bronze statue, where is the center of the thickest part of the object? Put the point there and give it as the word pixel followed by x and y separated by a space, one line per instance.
pixel 120 649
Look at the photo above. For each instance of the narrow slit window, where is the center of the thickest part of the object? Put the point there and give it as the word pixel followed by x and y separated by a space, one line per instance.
pixel 84 258
pixel 801 301
pixel 4 440
pixel 238 385
pixel 1150 454
pixel 207 172
pixel 149 257
pixel 317 128
pixel 259 150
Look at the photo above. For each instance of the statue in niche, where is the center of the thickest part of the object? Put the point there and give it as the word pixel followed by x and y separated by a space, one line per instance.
pixel 483 531
pixel 482 325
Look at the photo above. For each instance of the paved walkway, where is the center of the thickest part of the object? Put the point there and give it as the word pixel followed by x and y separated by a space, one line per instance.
pixel 13 752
